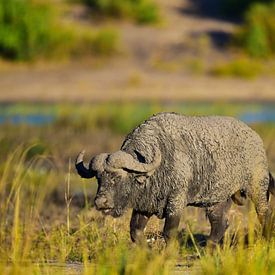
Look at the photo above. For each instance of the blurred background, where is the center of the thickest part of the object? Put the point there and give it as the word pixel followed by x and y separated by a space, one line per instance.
pixel 80 74
pixel 83 73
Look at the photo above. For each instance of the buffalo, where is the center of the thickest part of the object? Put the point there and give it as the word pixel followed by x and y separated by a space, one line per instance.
pixel 172 161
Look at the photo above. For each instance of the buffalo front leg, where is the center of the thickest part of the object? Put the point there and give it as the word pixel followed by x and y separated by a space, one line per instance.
pixel 137 226
pixel 217 215
pixel 171 227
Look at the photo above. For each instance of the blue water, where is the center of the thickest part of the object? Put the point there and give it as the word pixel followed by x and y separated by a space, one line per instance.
pixel 261 116
pixel 262 113
pixel 32 119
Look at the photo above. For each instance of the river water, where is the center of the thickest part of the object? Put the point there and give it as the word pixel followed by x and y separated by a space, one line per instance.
pixel 256 113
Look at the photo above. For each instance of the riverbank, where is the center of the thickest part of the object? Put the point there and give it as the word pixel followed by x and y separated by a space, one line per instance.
pixel 154 63
pixel 71 83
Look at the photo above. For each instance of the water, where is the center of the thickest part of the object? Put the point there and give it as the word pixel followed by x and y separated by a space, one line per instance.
pixel 266 114
pixel 43 115
pixel 32 119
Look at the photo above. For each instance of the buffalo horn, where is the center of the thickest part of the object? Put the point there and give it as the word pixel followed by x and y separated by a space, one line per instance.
pixel 82 170
pixel 121 159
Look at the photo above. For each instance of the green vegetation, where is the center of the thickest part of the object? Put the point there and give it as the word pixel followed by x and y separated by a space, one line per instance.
pixel 30 30
pixel 105 42
pixel 239 7
pixel 257 258
pixel 243 68
pixel 26 29
pixel 141 11
pixel 30 240
pixel 35 232
pixel 257 34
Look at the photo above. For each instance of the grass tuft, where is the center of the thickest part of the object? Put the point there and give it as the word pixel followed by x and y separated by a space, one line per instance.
pixel 141 11
pixel 243 68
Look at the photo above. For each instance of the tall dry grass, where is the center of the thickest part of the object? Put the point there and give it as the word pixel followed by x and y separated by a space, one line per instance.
pixel 43 231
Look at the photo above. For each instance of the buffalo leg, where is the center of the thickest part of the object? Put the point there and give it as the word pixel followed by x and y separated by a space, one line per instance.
pixel 260 198
pixel 137 226
pixel 217 216
pixel 239 197
pixel 170 227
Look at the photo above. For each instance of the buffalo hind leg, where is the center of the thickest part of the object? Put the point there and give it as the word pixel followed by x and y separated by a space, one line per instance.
pixel 239 197
pixel 260 199
pixel 137 226
pixel 171 227
pixel 217 215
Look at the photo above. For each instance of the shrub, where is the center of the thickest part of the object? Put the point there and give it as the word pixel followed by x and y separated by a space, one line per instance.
pixel 105 42
pixel 239 7
pixel 141 11
pixel 29 30
pixel 243 67
pixel 257 34
pixel 26 29
pixel 146 12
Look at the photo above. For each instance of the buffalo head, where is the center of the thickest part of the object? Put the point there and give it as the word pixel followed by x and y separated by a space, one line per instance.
pixel 119 176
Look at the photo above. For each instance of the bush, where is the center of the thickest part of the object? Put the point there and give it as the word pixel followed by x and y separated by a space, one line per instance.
pixel 257 34
pixel 105 42
pixel 141 11
pixel 146 12
pixel 244 68
pixel 239 7
pixel 26 29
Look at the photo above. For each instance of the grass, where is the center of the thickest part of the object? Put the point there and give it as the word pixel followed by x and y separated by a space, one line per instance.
pixel 258 258
pixel 242 68
pixel 105 42
pixel 140 11
pixel 44 230
pixel 26 238
pixel 117 117
pixel 30 241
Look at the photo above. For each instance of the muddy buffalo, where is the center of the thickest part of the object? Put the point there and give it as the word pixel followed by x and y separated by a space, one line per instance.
pixel 173 161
